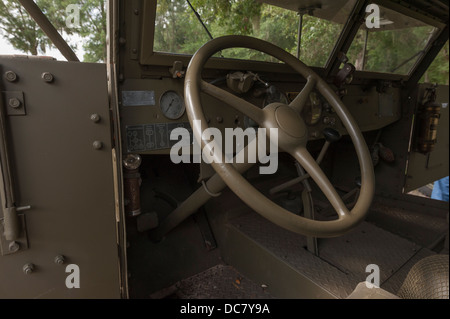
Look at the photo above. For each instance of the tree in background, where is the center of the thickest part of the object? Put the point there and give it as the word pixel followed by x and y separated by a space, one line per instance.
pixel 396 51
pixel 93 29
pixel 177 28
pixel 392 51
pixel 439 69
pixel 19 29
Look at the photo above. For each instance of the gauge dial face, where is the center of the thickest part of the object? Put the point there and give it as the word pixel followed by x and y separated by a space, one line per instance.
pixel 312 111
pixel 172 105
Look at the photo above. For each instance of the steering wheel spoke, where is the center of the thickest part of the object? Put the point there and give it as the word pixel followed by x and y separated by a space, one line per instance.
pixel 300 100
pixel 252 111
pixel 305 159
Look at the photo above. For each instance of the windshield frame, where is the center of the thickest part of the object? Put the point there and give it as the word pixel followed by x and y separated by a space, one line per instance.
pixel 150 57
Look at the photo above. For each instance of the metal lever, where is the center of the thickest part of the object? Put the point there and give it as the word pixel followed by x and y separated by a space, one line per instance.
pixel 331 135
pixel 11 220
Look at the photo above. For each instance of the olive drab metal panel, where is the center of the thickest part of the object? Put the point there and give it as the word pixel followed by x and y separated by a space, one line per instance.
pixel 58 234
pixel 427 167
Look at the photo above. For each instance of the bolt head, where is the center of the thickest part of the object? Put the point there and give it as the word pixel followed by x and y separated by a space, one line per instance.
pixel 10 76
pixel 47 77
pixel 95 118
pixel 14 102
pixel 97 145
pixel 28 269
pixel 59 260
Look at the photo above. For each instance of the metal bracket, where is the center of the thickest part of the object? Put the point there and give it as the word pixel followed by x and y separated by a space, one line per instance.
pixel 134 41
pixel 8 247
pixel 177 70
pixel 345 75
pixel 14 103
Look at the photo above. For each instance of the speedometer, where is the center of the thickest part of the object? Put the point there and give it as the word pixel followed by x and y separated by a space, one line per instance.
pixel 312 111
pixel 172 105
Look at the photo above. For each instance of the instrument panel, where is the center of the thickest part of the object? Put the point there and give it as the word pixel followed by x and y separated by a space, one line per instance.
pixel 151 108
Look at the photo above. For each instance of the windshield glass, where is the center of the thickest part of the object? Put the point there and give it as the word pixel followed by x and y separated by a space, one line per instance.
pixel 392 46
pixel 438 71
pixel 178 30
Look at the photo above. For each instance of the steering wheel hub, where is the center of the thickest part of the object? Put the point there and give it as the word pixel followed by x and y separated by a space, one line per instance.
pixel 290 121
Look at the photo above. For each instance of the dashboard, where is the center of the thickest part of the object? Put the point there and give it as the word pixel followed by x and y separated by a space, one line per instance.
pixel 151 108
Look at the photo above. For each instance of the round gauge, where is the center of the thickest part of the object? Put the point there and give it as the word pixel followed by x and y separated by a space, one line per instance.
pixel 172 105
pixel 312 111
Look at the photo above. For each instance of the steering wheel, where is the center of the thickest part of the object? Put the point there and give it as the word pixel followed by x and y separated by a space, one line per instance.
pixel 292 138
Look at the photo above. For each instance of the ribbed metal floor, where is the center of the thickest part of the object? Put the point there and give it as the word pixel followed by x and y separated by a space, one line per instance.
pixel 418 226
pixel 342 261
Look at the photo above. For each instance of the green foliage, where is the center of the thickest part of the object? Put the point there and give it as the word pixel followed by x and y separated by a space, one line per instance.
pixel 396 51
pixel 318 39
pixel 391 51
pixel 93 29
pixel 438 70
pixel 19 29
pixel 178 30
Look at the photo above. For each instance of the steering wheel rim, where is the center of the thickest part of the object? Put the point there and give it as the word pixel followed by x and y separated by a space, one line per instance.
pixel 293 139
